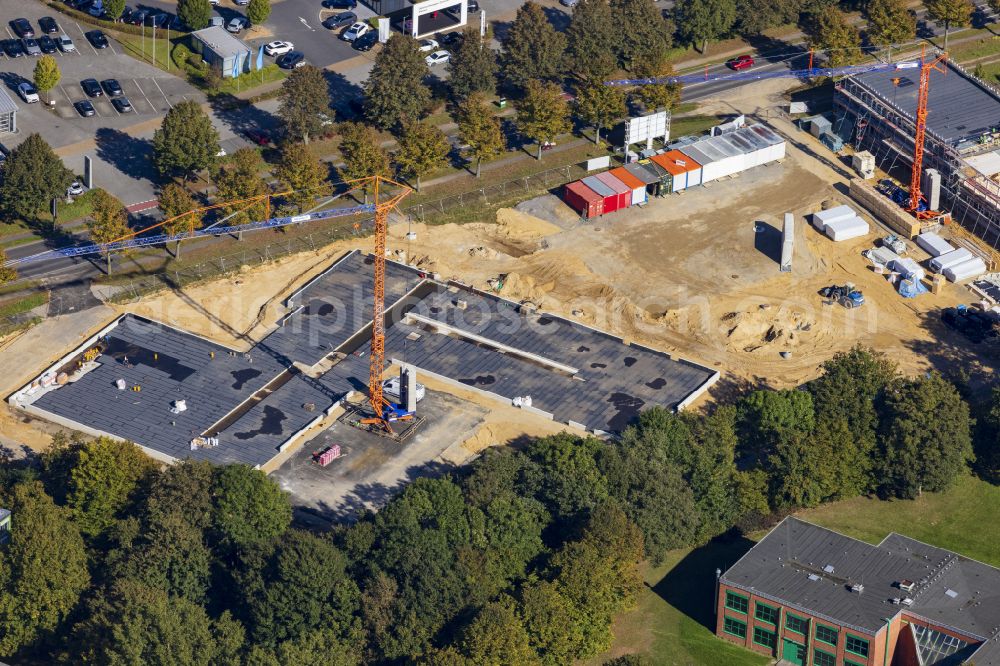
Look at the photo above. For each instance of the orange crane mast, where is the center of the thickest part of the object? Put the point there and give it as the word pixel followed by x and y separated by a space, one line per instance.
pixel 921 129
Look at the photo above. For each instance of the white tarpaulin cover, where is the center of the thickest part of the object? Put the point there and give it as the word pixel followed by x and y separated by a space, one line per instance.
pixel 847 228
pixel 824 217
pixel 933 244
pixel 908 268
pixel 949 259
pixel 965 270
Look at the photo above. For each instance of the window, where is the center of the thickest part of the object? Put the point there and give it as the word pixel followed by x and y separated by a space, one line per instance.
pixel 852 663
pixel 737 602
pixel 766 613
pixel 797 624
pixel 764 637
pixel 734 627
pixel 821 658
pixel 858 646
pixel 826 634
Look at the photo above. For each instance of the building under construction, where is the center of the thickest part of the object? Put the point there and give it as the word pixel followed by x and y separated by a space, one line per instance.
pixel 876 112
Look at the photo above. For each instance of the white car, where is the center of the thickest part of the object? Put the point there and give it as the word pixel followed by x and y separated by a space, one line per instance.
pixel 236 25
pixel 214 3
pixel 355 31
pixel 241 2
pixel 75 189
pixel 278 48
pixel 390 389
pixel 27 92
pixel 66 44
pixel 437 58
pixel 427 45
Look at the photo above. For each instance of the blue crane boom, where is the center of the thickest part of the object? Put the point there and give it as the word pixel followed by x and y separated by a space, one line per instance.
pixel 754 75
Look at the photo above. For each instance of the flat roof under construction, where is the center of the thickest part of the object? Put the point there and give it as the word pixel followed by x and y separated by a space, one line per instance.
pixel 256 403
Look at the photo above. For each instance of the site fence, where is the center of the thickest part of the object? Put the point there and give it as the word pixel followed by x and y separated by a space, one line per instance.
pixel 468 206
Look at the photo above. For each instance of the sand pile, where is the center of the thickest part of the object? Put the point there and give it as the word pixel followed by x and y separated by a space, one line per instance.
pixel 772 329
pixel 522 226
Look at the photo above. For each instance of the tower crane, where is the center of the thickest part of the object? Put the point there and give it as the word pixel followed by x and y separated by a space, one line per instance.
pixel 924 65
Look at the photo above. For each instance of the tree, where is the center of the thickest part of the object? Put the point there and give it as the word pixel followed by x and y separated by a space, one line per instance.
pixel 548 621
pixel 658 95
pixel 700 21
pixel 497 636
pixel 184 487
pixel 889 23
pixel 362 154
pixel 395 91
pixel 172 557
pixel 108 220
pixel 175 201
pixel 532 49
pixel 186 141
pixel 7 273
pixel 258 11
pixel 543 113
pixel 33 175
pixel 829 30
pixel 104 475
pixel 925 439
pixel 421 148
pixel 481 130
pixel 47 74
pixel 600 105
pixel 240 180
pixel 951 13
pixel 304 101
pixel 574 483
pixel 114 8
pixel 43 568
pixel 592 39
pixel 987 438
pixel 315 648
pixel 768 416
pixel 473 68
pixel 196 14
pixel 249 507
pixel 301 173
pixel 649 34
pixel 753 17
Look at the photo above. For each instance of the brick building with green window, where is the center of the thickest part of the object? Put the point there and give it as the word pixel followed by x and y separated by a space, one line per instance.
pixel 812 597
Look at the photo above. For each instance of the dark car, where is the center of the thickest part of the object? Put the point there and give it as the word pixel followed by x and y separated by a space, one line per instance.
pixel 13 48
pixel 84 108
pixel 97 39
pixel 91 87
pixel 341 20
pixel 472 7
pixel 451 38
pixel 158 20
pixel 22 27
pixel 366 41
pixel 258 136
pixel 138 17
pixel 121 104
pixel 48 25
pixel 291 60
pixel 47 44
pixel 111 87
pixel 126 16
pixel 340 4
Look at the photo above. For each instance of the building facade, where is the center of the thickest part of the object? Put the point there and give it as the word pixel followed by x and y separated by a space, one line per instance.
pixel 8 113
pixel 813 597
pixel 224 53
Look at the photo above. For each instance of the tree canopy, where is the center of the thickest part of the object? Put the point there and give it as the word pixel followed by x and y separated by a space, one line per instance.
pixel 481 130
pixel 186 141
pixel 304 103
pixel 702 21
pixel 473 68
pixel 250 508
pixel 542 114
pixel 195 14
pixel 422 147
pixel 592 39
pixel 301 173
pixel 33 175
pixel 395 91
pixel 532 48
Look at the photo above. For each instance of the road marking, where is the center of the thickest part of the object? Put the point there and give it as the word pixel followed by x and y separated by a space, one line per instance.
pixel 142 205
pixel 9 33
pixel 306 24
pixel 151 107
pixel 162 93
pixel 83 36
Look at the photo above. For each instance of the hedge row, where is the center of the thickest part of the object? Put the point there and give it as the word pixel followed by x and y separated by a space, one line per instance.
pixel 112 26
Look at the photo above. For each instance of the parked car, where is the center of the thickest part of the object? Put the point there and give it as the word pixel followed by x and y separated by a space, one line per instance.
pixel 278 47
pixel 31 46
pixel 366 41
pixel 126 14
pixel 138 17
pixel 47 44
pixel 236 25
pixel 75 188
pixel 453 38
pixel 66 44
pixel 340 20
pixel 91 87
pixel 84 108
pixel 214 3
pixel 27 92
pixel 740 62
pixel 437 58
pixel 428 45
pixel 340 4
pixel 48 25
pixel 216 22
pixel 258 136
pixel 121 104
pixel 111 87
pixel 241 2
pixel 292 60
pixel 355 31
pixel 97 9
pixel 22 27
pixel 472 7
pixel 12 48
pixel 97 39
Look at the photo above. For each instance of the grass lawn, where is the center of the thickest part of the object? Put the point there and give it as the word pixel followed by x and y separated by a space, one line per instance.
pixel 673 617
pixel 21 305
pixel 695 124
pixel 975 49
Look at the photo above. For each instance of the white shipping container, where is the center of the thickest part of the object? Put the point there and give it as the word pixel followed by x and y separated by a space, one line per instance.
pixel 710 169
pixel 845 229
pixel 966 270
pixel 933 244
pixel 949 259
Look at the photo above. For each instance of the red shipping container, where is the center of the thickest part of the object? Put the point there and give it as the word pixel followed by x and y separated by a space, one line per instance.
pixel 610 196
pixel 623 191
pixel 583 199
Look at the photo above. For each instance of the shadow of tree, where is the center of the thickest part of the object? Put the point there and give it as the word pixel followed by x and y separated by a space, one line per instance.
pixel 131 156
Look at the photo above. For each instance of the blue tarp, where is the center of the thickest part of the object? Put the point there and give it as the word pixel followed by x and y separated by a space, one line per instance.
pixel 911 288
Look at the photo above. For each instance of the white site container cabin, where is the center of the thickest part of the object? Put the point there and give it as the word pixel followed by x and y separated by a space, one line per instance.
pixel 758 151
pixel 736 154
pixel 718 158
pixel 949 259
pixel 933 244
pixel 777 144
pixel 824 217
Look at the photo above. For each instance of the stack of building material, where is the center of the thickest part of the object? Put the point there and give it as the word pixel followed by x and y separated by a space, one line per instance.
pixel 949 259
pixel 884 209
pixel 908 268
pixel 933 244
pixel 881 256
pixel 846 228
pixel 824 217
pixel 967 269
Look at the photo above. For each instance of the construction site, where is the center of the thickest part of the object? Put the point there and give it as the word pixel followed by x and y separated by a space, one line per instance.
pixel 349 370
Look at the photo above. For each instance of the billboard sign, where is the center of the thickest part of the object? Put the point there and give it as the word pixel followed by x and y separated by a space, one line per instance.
pixel 646 128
